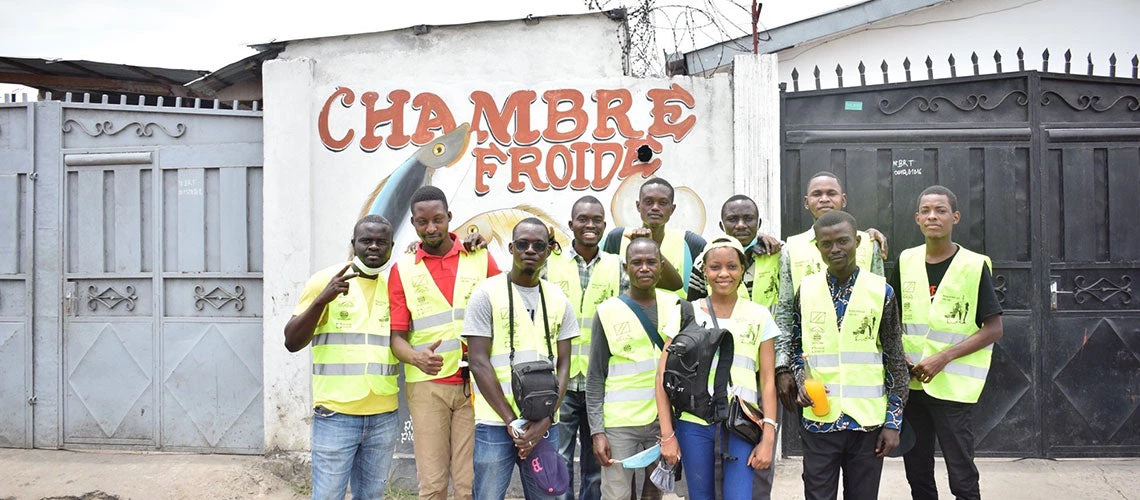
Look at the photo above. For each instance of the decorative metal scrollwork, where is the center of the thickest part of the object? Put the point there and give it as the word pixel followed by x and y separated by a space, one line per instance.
pixel 141 129
pixel 1102 289
pixel 1092 102
pixel 969 103
pixel 219 297
pixel 110 298
pixel 1000 287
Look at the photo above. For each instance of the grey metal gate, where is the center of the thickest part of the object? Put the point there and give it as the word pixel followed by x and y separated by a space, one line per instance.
pixel 16 203
pixel 1047 172
pixel 153 242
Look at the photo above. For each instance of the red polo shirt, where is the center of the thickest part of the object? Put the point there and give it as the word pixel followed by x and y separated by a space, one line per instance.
pixel 443 270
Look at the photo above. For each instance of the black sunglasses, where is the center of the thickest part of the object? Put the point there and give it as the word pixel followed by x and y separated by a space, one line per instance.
pixel 538 245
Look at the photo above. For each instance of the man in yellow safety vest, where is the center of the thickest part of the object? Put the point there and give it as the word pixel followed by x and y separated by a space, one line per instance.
pixel 344 315
pixel 847 329
pixel 951 318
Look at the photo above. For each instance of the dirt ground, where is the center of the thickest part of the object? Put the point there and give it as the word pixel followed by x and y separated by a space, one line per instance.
pixel 104 475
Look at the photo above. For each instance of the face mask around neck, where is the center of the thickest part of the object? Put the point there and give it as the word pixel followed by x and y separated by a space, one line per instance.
pixel 371 272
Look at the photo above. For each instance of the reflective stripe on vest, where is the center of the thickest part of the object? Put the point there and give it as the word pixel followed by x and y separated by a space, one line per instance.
pixel 351 349
pixel 765 280
pixel 530 337
pixel 805 260
pixel 748 320
pixel 847 360
pixel 632 367
pixel 433 317
pixel 605 278
pixel 675 250
pixel 934 324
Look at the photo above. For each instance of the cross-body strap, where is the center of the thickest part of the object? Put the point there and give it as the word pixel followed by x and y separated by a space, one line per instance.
pixel 511 324
pixel 645 324
pixel 723 376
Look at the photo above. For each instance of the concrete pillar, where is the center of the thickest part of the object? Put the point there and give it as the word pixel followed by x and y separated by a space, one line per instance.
pixel 756 145
pixel 288 247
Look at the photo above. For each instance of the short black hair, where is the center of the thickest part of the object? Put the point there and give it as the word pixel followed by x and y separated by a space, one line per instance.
pixel 531 221
pixel 659 182
pixel 942 190
pixel 825 173
pixel 429 193
pixel 370 219
pixel 740 197
pixel 642 241
pixel 834 218
pixel 585 200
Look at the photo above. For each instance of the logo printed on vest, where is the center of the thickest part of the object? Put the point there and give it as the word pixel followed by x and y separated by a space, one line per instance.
pixel 749 336
pixel 959 312
pixel 816 334
pixel 622 332
pixel 816 318
pixel 866 329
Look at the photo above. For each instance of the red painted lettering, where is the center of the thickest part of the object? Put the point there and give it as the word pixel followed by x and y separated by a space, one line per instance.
pixel 347 97
pixel 525 160
pixel 552 157
pixel 485 166
pixel 517 107
pixel 434 115
pixel 375 118
pixel 629 168
pixel 555 117
pixel 601 151
pixel 666 114
pixel 580 182
pixel 614 105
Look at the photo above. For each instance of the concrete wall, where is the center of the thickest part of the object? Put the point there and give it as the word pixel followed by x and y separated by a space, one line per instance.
pixel 960 27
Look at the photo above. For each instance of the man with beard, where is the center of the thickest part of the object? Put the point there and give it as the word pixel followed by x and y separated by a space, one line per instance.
pixel 429 291
pixel 587 276
pixel 344 315
pixel 511 319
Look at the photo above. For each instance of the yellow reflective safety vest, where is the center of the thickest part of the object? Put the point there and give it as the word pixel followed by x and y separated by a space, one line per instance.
pixel 675 250
pixel 630 384
pixel 847 360
pixel 605 281
pixel 805 260
pixel 748 320
pixel 530 337
pixel 765 280
pixel 352 353
pixel 433 317
pixel 933 324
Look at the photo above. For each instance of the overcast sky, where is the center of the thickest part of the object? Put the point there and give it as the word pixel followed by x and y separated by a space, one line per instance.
pixel 208 34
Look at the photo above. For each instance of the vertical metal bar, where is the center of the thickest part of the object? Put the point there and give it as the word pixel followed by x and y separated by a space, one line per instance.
pixel 795 80
pixel 123 100
pixel 953 69
pixel 1020 59
pixel 1090 64
pixel 1112 65
pixel 974 59
pixel 158 291
pixel 816 73
pixel 906 67
pixel 1068 61
pixel 29 281
pixel 886 79
pixel 1045 61
pixel 929 68
pixel 160 100
pixel 1039 255
pixel 839 74
pixel 997 61
pixel 862 74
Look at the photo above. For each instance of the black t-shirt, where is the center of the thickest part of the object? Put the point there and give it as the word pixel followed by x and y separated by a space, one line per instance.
pixel 988 304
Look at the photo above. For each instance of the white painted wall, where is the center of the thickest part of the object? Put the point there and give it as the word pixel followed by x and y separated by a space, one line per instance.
pixel 313 194
pixel 961 27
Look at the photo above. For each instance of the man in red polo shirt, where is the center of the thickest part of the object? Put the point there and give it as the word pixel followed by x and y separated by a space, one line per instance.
pixel 428 292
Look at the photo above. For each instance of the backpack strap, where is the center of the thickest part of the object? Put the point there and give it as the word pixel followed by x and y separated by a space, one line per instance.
pixel 723 376
pixel 645 324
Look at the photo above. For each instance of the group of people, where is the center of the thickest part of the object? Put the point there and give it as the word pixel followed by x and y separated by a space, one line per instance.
pixel 909 352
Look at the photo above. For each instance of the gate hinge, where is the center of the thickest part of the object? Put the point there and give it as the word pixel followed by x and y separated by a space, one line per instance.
pixel 32 401
pixel 33 176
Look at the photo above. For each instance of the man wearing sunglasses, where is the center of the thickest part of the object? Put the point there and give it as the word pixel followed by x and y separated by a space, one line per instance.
pixel 511 319
pixel 428 291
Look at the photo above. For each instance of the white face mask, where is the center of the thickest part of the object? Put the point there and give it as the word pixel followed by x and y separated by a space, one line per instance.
pixel 365 270
pixel 663 476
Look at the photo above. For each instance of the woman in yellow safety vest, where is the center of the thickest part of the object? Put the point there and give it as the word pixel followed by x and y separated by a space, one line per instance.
pixel 692 439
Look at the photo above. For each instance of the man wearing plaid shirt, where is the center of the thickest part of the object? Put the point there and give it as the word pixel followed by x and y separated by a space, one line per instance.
pixel 588 276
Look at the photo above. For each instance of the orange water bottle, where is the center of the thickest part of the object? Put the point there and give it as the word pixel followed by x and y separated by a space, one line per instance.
pixel 815 391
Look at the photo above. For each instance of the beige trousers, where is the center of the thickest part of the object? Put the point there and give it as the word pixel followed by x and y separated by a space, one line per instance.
pixel 443 421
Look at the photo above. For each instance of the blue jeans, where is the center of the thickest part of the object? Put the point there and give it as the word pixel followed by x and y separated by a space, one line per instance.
pixel 572 423
pixel 698 454
pixel 495 460
pixel 356 447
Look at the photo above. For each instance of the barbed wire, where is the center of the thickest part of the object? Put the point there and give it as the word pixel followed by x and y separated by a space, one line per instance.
pixel 687 26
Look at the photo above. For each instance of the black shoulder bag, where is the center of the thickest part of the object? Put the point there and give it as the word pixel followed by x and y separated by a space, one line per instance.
pixel 743 418
pixel 533 384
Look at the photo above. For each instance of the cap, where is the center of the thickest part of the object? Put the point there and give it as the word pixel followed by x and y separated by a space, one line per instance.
pixel 547 468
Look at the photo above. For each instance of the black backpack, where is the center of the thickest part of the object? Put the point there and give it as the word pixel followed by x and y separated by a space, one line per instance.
pixel 687 369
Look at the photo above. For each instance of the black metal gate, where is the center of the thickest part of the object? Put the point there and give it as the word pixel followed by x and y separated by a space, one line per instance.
pixel 1047 171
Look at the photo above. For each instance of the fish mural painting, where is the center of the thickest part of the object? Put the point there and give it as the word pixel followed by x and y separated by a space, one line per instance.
pixel 497 225
pixel 392 197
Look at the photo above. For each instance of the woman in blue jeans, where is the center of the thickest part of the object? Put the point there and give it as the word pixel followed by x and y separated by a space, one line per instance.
pixel 691 439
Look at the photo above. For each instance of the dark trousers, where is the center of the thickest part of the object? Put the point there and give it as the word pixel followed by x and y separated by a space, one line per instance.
pixel 952 423
pixel 853 452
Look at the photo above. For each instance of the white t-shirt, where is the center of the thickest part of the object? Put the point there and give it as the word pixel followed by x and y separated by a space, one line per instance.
pixel 702 318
